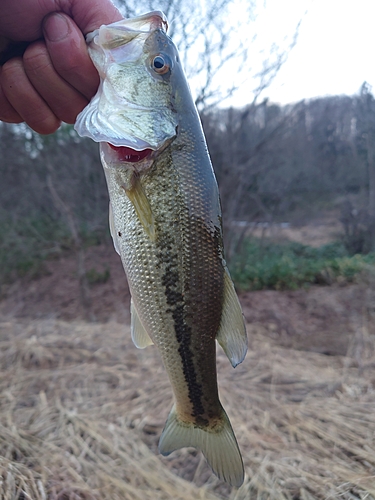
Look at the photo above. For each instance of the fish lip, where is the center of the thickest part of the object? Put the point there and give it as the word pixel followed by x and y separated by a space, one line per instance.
pixel 130 155
pixel 134 143
pixel 109 151
pixel 155 20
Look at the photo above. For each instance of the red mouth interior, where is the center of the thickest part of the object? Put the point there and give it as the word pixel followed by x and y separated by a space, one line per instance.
pixel 130 155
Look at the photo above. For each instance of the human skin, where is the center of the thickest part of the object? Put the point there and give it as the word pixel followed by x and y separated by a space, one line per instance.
pixel 55 78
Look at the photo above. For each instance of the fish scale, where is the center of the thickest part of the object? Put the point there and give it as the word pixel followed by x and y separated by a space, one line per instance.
pixel 169 256
pixel 165 220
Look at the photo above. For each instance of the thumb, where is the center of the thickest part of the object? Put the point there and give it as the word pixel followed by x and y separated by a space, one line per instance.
pixel 91 14
pixel 68 53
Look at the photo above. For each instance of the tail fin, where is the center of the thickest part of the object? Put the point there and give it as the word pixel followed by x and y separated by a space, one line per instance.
pixel 218 446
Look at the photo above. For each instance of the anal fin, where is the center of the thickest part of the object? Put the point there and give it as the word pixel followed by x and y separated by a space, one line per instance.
pixel 232 332
pixel 140 337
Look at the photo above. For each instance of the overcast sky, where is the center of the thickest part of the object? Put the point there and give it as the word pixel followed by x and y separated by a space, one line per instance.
pixel 335 51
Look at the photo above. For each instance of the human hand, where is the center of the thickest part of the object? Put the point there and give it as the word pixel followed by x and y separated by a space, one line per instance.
pixel 55 78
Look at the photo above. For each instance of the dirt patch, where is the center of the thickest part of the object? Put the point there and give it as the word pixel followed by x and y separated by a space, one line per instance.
pixel 57 294
pixel 316 233
pixel 320 319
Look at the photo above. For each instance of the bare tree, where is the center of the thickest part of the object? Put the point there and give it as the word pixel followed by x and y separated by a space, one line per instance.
pixel 367 109
pixel 78 245
pixel 359 221
pixel 53 198
pixel 217 43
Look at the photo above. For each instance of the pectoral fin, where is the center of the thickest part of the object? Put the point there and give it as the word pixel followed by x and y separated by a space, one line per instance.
pixel 137 196
pixel 113 230
pixel 232 332
pixel 140 337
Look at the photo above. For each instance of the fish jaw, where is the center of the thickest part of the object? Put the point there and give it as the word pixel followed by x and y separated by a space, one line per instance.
pixel 131 108
pixel 147 22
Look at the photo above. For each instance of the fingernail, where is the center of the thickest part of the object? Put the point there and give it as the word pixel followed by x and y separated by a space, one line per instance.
pixel 55 27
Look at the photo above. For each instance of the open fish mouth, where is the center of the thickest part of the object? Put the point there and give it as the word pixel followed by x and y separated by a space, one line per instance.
pixel 129 109
pixel 129 155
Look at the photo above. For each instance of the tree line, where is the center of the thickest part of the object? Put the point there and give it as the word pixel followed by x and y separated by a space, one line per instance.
pixel 270 161
pixel 275 157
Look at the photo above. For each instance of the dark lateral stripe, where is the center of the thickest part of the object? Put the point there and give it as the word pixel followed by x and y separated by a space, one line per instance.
pixel 175 300
pixel 183 336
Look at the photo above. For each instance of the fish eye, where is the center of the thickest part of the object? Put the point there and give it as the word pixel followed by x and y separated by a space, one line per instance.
pixel 161 64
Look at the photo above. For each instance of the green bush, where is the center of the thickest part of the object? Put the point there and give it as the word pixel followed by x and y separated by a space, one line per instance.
pixel 265 265
pixel 95 277
pixel 24 244
pixel 27 242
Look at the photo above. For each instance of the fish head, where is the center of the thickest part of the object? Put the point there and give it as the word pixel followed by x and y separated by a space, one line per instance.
pixel 133 109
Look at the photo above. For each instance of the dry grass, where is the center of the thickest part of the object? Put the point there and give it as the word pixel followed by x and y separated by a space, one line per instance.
pixel 81 411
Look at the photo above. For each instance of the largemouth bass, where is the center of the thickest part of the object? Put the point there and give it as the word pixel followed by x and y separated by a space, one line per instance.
pixel 165 221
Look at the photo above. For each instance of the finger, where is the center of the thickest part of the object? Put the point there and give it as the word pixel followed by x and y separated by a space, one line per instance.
pixel 7 112
pixel 64 101
pixel 91 14
pixel 25 100
pixel 68 52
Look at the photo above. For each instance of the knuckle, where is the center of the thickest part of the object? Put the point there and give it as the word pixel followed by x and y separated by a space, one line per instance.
pixel 11 71
pixel 70 64
pixel 36 58
pixel 45 124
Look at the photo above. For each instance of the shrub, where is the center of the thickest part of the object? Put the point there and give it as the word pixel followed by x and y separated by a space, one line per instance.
pixel 263 264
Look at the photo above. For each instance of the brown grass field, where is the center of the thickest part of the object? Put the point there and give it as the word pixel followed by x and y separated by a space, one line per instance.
pixel 81 409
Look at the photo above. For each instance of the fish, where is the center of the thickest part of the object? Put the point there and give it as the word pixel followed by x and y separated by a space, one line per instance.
pixel 166 224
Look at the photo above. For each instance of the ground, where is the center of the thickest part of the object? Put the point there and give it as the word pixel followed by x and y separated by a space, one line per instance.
pixel 82 409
